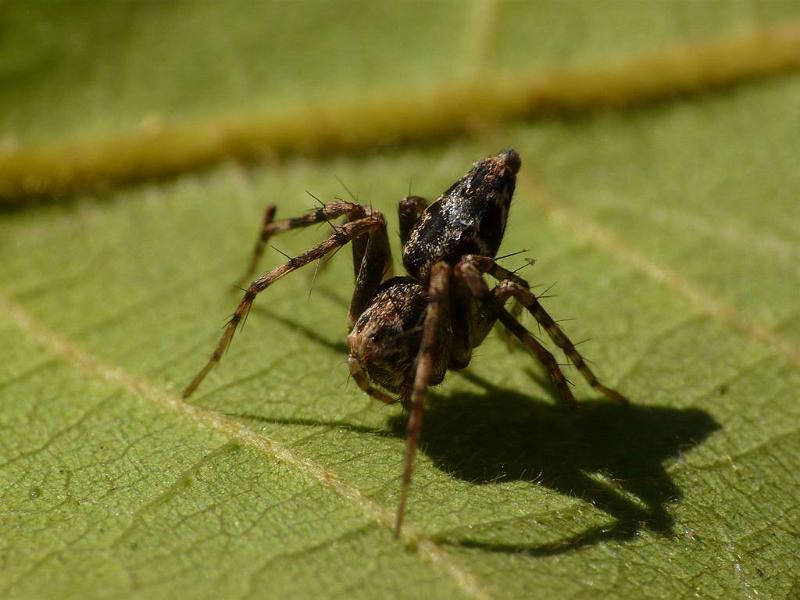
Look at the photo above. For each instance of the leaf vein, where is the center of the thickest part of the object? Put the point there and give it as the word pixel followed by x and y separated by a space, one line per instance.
pixel 236 431
pixel 606 240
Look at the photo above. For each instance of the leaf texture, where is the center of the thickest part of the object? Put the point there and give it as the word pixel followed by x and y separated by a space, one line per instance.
pixel 671 232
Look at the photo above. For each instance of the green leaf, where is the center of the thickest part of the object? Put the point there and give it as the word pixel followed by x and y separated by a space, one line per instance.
pixel 671 231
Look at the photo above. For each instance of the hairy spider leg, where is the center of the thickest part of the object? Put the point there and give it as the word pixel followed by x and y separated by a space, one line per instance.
pixel 372 263
pixel 373 226
pixel 269 228
pixel 470 327
pixel 508 288
pixel 492 305
pixel 542 355
pixel 436 316
pixel 508 336
pixel 264 234
pixel 512 286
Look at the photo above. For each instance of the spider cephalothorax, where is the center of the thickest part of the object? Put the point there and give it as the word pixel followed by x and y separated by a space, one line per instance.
pixel 406 332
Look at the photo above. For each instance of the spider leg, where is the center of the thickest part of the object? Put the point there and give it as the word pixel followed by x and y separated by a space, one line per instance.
pixel 269 227
pixel 371 226
pixel 409 212
pixel 508 336
pixel 435 322
pixel 492 305
pixel 258 250
pixel 469 325
pixel 513 286
pixel 372 262
pixel 542 355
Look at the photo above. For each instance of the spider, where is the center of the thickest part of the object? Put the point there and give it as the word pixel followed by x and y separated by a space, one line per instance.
pixel 406 332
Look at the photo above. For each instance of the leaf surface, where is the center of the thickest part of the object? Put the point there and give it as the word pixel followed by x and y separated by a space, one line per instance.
pixel 671 231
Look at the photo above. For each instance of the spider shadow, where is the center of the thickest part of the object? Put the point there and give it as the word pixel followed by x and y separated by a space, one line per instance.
pixel 608 455
pixel 602 453
pixel 308 333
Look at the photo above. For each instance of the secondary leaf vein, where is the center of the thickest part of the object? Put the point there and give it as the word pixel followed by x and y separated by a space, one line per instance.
pixel 234 430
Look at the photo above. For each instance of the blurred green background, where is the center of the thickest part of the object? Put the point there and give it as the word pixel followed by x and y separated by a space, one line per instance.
pixel 671 230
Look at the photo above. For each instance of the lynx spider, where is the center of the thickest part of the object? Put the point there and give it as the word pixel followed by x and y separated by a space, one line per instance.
pixel 406 332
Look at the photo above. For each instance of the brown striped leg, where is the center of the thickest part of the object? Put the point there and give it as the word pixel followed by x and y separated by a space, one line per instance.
pixel 542 355
pixel 513 286
pixel 509 338
pixel 372 262
pixel 258 249
pixel 435 321
pixel 371 226
pixel 312 217
pixel 531 303
pixel 493 308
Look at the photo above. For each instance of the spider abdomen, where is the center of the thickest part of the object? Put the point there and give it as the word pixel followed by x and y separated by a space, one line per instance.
pixel 386 337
